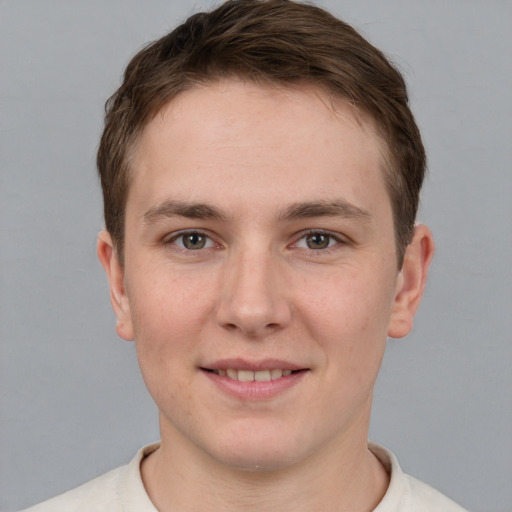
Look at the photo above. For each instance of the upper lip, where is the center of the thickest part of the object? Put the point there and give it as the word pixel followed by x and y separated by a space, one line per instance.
pixel 244 364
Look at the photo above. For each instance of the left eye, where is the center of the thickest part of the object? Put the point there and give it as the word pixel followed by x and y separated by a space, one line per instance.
pixel 316 241
pixel 193 241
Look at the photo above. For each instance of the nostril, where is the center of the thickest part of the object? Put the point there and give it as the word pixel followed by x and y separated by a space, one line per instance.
pixel 252 331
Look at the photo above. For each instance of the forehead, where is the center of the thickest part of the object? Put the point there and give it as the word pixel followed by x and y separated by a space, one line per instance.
pixel 234 101
pixel 296 139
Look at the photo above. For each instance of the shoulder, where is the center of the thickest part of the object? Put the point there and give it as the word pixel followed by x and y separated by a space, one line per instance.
pixel 407 494
pixel 427 499
pixel 119 490
pixel 100 494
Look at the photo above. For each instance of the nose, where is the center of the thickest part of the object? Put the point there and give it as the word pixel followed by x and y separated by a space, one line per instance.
pixel 254 295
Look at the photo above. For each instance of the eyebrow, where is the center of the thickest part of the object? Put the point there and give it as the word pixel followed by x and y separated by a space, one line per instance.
pixel 182 209
pixel 294 211
pixel 336 208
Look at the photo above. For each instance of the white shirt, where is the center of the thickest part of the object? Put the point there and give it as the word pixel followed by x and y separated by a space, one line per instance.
pixel 122 490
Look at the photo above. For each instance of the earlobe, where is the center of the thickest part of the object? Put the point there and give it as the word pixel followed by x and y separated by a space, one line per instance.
pixel 411 282
pixel 115 275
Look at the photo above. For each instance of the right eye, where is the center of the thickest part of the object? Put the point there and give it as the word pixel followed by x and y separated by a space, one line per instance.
pixel 192 241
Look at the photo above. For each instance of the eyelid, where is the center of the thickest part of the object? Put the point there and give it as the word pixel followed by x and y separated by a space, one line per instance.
pixel 171 238
pixel 338 237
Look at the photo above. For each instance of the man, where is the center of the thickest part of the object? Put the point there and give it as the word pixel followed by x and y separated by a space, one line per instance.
pixel 261 172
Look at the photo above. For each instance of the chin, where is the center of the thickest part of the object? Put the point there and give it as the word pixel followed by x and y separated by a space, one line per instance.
pixel 259 451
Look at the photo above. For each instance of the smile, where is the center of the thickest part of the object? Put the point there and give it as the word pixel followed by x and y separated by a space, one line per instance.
pixel 248 375
pixel 254 381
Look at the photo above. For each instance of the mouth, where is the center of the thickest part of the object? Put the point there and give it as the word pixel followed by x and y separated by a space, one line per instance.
pixel 254 380
pixel 252 376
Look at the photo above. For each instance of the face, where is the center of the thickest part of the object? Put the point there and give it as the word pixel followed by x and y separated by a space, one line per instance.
pixel 260 279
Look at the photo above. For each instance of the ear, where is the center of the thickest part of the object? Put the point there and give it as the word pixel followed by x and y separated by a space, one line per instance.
pixel 115 274
pixel 411 282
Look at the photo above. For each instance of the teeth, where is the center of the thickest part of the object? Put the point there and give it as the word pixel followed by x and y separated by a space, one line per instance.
pixel 249 376
pixel 245 375
pixel 276 374
pixel 261 376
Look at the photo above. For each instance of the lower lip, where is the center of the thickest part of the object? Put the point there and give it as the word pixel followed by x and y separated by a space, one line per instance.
pixel 255 390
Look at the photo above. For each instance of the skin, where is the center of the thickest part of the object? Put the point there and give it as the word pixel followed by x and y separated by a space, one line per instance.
pixel 298 265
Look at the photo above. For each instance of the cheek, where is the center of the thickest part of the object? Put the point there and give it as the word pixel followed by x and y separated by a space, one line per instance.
pixel 166 325
pixel 349 320
pixel 167 315
pixel 350 308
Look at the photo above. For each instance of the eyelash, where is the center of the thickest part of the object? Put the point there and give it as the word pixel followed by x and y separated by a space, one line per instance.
pixel 182 234
pixel 210 243
pixel 336 238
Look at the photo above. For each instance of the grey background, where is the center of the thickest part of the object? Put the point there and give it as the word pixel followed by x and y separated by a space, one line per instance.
pixel 72 402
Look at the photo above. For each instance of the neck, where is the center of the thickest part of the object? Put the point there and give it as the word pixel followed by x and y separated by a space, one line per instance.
pixel 342 477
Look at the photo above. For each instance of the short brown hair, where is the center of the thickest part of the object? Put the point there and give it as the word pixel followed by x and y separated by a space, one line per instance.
pixel 276 41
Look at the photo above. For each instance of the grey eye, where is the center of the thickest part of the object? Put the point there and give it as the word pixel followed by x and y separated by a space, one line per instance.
pixel 318 241
pixel 194 241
